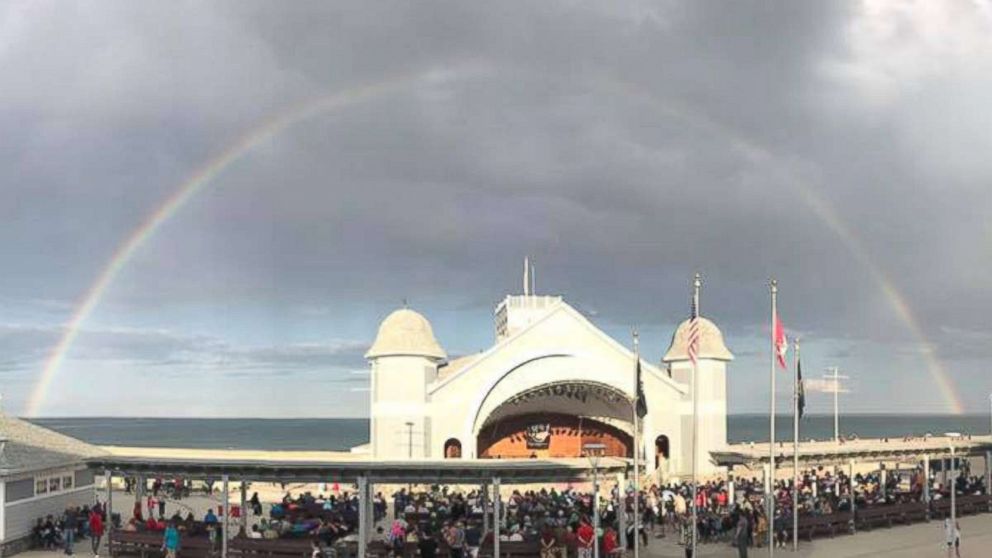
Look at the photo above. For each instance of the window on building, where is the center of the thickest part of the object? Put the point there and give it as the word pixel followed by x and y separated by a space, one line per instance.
pixel 49 484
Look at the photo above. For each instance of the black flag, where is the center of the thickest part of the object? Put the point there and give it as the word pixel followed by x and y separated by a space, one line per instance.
pixel 642 402
pixel 801 404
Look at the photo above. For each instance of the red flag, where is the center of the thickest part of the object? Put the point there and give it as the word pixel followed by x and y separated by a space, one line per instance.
pixel 781 343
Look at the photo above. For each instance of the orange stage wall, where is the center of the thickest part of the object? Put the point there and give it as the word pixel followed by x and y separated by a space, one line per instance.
pixel 507 438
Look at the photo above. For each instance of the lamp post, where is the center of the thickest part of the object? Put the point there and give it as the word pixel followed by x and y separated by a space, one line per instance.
pixel 594 452
pixel 833 380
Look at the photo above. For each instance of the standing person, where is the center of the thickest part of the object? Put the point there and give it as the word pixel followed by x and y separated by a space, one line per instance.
pixel 170 542
pixel 611 547
pixel 548 542
pixel 427 545
pixel 96 530
pixel 957 539
pixel 587 538
pixel 152 505
pixel 456 542
pixel 949 536
pixel 742 535
pixel 161 507
pixel 69 523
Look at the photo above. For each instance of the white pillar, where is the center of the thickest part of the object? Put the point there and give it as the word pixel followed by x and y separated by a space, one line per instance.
pixel 244 503
pixel 139 488
pixel 850 468
pixel 363 525
pixel 3 506
pixel 622 511
pixel 953 487
pixel 496 517
pixel 988 476
pixel 108 506
pixel 881 480
pixel 484 503
pixel 731 490
pixel 227 514
pixel 370 505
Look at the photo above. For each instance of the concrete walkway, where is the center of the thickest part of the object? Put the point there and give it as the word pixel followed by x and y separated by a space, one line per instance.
pixel 919 540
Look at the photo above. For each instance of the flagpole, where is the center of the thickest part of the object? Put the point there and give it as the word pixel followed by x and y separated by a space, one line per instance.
pixel 795 452
pixel 696 283
pixel 637 444
pixel 770 489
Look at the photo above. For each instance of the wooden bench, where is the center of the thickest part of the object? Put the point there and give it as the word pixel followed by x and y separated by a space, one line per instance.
pixel 972 503
pixel 271 547
pixel 966 504
pixel 814 525
pixel 909 512
pixel 512 549
pixel 146 544
pixel 870 516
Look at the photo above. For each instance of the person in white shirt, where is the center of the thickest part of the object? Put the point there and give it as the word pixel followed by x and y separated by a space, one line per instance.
pixel 952 536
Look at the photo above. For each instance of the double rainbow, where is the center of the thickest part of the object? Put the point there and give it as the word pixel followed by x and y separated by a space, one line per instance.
pixel 321 105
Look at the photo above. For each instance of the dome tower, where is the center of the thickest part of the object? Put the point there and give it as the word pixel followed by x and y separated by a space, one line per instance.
pixel 404 360
pixel 711 383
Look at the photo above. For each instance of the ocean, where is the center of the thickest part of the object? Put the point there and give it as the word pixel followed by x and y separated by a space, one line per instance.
pixel 343 433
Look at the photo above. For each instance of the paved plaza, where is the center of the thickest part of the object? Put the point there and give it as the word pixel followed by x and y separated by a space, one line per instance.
pixel 918 540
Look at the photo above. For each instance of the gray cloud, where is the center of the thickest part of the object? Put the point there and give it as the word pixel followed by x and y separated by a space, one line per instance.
pixel 623 145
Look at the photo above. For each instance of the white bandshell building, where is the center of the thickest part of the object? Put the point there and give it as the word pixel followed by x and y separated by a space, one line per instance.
pixel 551 384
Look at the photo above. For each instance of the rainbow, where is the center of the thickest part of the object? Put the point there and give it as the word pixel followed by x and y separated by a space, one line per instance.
pixel 831 218
pixel 281 121
pixel 186 191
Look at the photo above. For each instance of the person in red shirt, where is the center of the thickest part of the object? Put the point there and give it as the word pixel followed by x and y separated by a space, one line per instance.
pixel 587 538
pixel 96 531
pixel 610 542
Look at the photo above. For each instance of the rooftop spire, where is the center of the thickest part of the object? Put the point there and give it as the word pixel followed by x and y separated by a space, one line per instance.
pixel 526 276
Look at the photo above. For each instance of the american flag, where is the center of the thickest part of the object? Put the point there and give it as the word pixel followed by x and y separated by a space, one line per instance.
pixel 694 334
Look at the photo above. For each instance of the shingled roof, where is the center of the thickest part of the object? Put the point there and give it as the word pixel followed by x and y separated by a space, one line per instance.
pixel 26 447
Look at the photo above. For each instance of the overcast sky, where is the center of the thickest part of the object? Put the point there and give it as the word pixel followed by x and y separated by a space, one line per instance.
pixel 841 147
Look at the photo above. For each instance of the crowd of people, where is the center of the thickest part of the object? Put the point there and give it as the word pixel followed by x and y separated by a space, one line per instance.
pixel 75 523
pixel 560 522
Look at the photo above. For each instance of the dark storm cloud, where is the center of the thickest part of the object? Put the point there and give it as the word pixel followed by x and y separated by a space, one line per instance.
pixel 624 145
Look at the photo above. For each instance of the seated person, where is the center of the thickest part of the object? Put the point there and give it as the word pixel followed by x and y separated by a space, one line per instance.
pixel 151 524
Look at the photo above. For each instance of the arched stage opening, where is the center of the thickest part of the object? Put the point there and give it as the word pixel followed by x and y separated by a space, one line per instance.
pixel 556 420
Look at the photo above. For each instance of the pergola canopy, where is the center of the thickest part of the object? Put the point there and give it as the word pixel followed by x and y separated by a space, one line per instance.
pixel 452 471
